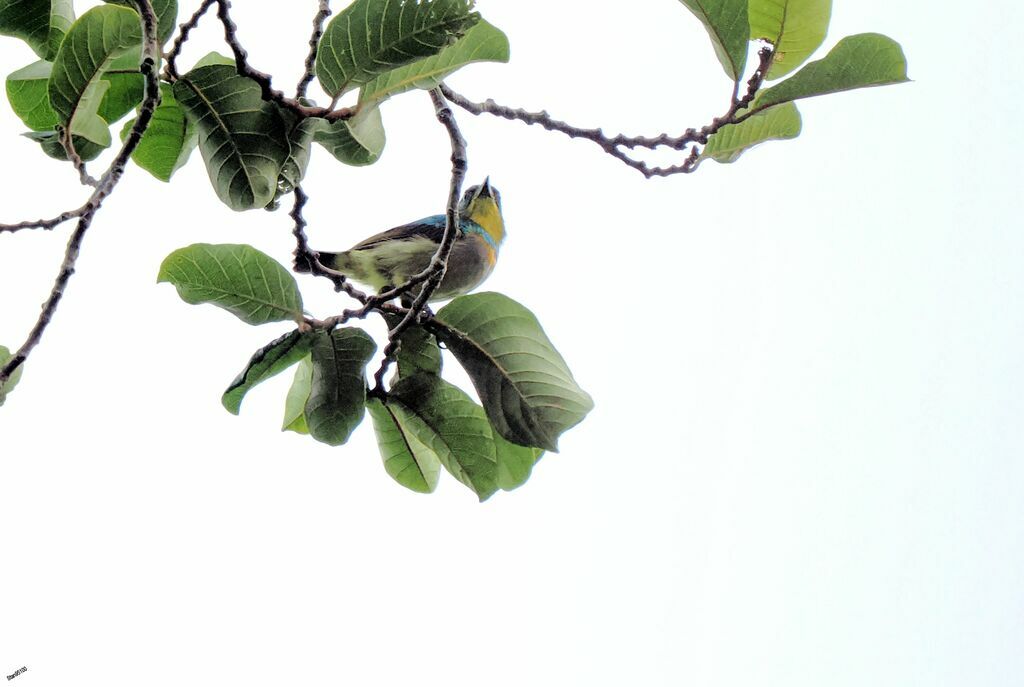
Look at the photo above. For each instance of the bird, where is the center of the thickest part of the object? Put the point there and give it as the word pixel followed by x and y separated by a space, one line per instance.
pixel 392 257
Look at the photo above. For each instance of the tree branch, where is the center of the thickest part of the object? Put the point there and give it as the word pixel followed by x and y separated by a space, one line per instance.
pixel 613 145
pixel 171 70
pixel 105 186
pixel 432 276
pixel 264 79
pixel 314 45
pixel 48 224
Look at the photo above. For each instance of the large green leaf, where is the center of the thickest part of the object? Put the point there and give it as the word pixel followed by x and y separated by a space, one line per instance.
pixel 482 43
pixel 452 426
pixel 99 37
pixel 8 386
pixel 727 25
pixel 40 23
pixel 242 280
pixel 166 15
pixel 168 140
pixel 776 123
pixel 867 59
pixel 272 359
pixel 526 387
pixel 411 462
pixel 298 394
pixel 357 141
pixel 370 37
pixel 337 398
pixel 241 136
pixel 795 27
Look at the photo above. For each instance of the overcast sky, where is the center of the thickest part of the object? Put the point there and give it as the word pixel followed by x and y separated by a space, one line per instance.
pixel 803 468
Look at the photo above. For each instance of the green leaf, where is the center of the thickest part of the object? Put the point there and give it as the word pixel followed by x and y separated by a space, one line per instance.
pixel 127 87
pixel 40 23
pixel 727 25
pixel 51 145
pixel 241 136
pixel 515 462
pixel 8 386
pixel 337 398
pixel 90 132
pixel 867 59
pixel 482 43
pixel 410 461
pixel 370 37
pixel 453 427
pixel 101 35
pixel 527 389
pixel 298 394
pixel 272 359
pixel 166 15
pixel 357 141
pixel 168 141
pixel 251 285
pixel 212 58
pixel 418 350
pixel 29 98
pixel 731 141
pixel 795 27
pixel 28 93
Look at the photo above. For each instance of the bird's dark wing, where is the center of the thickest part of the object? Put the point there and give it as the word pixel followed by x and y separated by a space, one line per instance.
pixel 429 227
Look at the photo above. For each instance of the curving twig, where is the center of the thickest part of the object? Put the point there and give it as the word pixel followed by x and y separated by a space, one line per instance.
pixel 171 69
pixel 314 46
pixel 264 79
pixel 613 145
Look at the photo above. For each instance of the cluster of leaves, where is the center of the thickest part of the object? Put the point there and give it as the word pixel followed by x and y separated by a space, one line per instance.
pixel 256 144
pixel 254 149
pixel 422 422
pixel 794 30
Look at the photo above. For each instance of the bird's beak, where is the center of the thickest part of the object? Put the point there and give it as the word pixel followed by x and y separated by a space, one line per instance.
pixel 485 189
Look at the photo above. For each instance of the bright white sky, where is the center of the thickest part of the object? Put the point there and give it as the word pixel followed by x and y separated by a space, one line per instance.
pixel 804 467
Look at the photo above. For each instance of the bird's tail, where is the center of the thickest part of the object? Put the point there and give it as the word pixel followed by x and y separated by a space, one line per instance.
pixel 303 266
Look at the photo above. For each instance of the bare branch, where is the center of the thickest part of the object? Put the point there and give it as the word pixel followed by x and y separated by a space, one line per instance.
pixel 432 276
pixel 171 70
pixel 47 224
pixel 613 145
pixel 314 45
pixel 264 79
pixel 106 185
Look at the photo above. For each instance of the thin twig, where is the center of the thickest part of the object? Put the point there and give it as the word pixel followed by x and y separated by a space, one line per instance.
pixel 314 45
pixel 47 224
pixel 68 144
pixel 432 276
pixel 106 185
pixel 171 70
pixel 613 145
pixel 264 79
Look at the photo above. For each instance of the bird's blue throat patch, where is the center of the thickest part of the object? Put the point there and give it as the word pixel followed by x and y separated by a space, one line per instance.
pixel 471 227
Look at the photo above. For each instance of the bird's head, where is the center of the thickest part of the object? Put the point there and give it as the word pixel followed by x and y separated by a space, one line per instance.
pixel 482 204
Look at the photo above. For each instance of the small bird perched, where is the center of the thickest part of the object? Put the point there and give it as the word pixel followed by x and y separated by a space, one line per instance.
pixel 392 257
